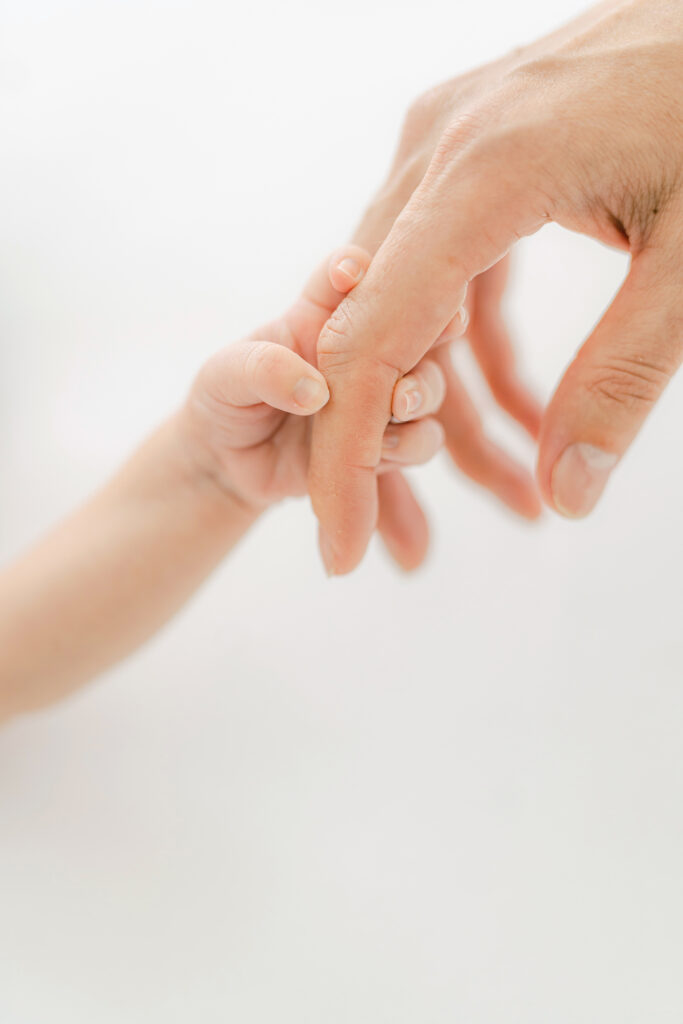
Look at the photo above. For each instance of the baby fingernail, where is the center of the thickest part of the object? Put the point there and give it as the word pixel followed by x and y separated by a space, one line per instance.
pixel 579 477
pixel 326 553
pixel 390 440
pixel 351 268
pixel 310 394
pixel 410 402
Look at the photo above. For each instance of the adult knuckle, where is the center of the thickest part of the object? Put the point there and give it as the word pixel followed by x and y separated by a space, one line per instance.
pixel 517 132
pixel 633 383
pixel 500 144
pixel 342 350
pixel 534 75
pixel 504 144
pixel 336 348
pixel 345 359
pixel 460 134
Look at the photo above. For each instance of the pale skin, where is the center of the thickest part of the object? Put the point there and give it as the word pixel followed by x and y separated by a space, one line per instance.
pixel 583 128
pixel 109 576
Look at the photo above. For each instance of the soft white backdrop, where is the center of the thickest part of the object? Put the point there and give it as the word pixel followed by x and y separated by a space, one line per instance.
pixel 375 800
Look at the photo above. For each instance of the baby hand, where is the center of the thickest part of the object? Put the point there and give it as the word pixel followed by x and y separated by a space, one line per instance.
pixel 247 419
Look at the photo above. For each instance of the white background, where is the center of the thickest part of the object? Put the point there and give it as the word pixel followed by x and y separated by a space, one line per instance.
pixel 378 800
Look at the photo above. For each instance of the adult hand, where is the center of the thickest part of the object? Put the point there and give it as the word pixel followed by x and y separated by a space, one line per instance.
pixel 584 129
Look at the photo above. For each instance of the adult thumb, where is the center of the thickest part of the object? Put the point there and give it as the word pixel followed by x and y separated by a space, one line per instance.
pixel 612 385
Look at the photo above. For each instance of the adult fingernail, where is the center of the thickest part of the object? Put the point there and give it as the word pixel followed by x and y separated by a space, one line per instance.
pixel 579 477
pixel 410 402
pixel 326 553
pixel 351 268
pixel 310 393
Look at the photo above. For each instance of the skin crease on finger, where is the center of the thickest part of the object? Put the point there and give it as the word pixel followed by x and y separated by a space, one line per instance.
pixel 585 141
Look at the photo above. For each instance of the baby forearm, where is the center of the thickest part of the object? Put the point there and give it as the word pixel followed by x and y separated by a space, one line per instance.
pixel 112 574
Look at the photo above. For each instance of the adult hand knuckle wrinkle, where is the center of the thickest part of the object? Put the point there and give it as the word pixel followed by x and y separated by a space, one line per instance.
pixel 631 382
pixel 335 336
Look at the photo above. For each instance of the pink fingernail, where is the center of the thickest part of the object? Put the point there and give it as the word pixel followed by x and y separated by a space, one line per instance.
pixel 412 400
pixel 310 394
pixel 579 477
pixel 390 440
pixel 464 319
pixel 351 268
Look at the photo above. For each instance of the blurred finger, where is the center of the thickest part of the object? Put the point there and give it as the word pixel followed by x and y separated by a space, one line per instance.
pixel 401 522
pixel 476 455
pixel 492 347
